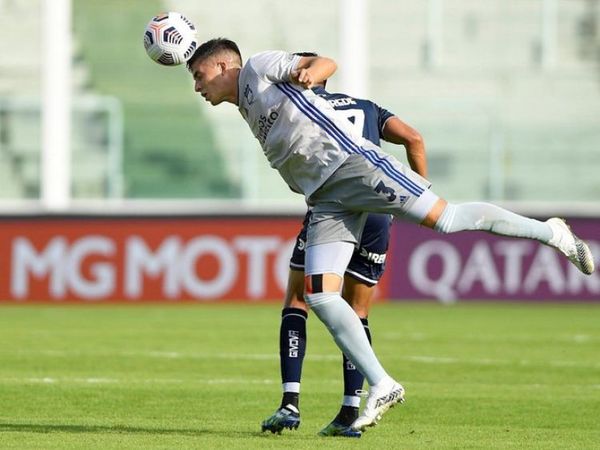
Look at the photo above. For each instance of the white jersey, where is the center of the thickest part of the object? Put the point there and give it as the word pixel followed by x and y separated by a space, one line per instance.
pixel 300 133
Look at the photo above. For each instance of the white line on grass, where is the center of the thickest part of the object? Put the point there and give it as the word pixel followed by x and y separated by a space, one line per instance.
pixel 560 339
pixel 425 359
pixel 105 380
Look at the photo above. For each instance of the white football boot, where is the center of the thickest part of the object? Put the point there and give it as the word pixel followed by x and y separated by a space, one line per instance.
pixel 570 245
pixel 382 396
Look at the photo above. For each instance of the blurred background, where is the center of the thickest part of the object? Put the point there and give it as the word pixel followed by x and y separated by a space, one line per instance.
pixel 506 94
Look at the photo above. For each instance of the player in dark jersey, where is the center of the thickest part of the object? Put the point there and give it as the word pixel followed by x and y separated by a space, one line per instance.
pixel 362 274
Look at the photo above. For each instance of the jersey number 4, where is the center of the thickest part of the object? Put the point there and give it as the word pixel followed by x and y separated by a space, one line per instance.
pixel 356 118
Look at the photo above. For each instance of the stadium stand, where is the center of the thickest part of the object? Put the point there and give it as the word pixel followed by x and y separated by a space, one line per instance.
pixel 168 150
pixel 492 129
pixel 278 30
pixel 499 117
pixel 20 127
pixel 489 104
pixel 20 74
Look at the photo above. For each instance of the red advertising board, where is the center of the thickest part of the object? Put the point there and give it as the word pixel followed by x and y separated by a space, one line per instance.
pixel 205 259
pixel 144 259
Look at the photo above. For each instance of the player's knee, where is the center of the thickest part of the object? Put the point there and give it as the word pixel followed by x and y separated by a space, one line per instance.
pixel 359 295
pixel 361 311
pixel 322 282
pixel 294 294
pixel 296 301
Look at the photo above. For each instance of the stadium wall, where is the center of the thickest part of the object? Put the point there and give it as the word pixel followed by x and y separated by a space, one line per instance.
pixel 160 258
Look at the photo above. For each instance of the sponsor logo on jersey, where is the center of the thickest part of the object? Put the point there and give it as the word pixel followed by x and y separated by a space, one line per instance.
pixel 264 125
pixel 248 94
pixel 293 342
pixel 301 245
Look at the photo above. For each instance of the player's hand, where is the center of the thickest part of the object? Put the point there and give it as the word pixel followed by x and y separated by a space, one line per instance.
pixel 303 77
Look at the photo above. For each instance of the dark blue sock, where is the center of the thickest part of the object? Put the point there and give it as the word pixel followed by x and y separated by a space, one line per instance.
pixel 292 346
pixel 353 379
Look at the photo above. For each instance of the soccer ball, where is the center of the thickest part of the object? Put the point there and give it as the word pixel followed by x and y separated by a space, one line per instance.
pixel 170 39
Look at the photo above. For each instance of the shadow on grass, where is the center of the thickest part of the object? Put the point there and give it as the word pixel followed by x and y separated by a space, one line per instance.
pixel 124 429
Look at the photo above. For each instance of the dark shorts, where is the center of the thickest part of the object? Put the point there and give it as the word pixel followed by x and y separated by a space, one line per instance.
pixel 368 260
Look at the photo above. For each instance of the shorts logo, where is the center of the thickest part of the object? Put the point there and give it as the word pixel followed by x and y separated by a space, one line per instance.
pixel 376 258
pixel 301 245
pixel 385 190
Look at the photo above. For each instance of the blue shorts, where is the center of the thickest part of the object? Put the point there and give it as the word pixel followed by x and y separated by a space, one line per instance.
pixel 368 260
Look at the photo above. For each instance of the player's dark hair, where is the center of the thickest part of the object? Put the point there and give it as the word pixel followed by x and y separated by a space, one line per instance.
pixel 306 54
pixel 212 47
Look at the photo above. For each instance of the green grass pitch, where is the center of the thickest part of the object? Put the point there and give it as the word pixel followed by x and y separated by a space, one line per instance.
pixel 504 376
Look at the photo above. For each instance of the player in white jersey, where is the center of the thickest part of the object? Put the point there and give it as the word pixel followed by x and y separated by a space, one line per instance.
pixel 365 269
pixel 343 176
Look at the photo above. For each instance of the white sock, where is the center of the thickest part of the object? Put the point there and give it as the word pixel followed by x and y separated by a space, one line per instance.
pixel 351 400
pixel 291 387
pixel 348 333
pixel 488 217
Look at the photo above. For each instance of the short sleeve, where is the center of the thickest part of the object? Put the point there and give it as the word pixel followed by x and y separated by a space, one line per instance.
pixel 383 115
pixel 274 66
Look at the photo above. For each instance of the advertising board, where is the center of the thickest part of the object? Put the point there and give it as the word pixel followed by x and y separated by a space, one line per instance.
pixel 207 259
pixel 145 259
pixel 481 266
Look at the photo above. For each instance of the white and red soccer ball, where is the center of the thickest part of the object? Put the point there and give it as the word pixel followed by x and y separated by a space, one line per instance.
pixel 170 39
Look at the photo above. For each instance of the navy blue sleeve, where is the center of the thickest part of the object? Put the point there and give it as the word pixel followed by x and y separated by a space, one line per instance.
pixel 382 116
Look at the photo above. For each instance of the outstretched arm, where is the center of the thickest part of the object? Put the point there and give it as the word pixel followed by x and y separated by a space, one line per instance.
pixel 398 132
pixel 312 70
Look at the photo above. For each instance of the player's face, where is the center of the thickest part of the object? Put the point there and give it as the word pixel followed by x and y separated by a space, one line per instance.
pixel 210 80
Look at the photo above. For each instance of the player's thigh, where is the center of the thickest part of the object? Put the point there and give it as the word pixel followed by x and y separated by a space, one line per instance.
pixel 378 183
pixel 367 264
pixel 325 264
pixel 331 222
pixel 368 261
pixel 332 234
pixel 298 253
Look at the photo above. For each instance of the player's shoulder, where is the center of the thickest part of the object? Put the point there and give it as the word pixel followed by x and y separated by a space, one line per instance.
pixel 269 57
pixel 370 106
pixel 272 65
